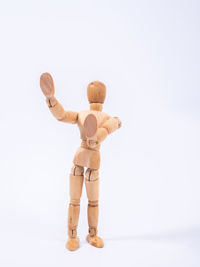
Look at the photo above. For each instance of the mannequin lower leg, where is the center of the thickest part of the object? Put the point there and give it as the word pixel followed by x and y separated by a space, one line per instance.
pixel 92 188
pixel 73 216
pixel 93 215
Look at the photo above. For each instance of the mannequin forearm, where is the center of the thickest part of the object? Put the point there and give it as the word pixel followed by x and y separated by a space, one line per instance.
pixel 112 124
pixel 59 113
pixel 107 128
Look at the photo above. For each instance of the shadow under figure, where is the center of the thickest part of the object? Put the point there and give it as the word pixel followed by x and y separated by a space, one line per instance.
pixel 94 126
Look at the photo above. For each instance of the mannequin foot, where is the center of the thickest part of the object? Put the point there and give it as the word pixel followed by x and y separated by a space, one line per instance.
pixel 95 241
pixel 73 244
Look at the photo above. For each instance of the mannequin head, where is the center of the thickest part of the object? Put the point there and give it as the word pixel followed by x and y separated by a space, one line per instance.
pixel 96 92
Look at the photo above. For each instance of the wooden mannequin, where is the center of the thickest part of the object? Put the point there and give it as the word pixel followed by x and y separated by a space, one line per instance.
pixel 94 126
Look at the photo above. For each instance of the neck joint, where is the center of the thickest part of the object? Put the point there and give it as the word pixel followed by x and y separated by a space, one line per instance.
pixel 96 106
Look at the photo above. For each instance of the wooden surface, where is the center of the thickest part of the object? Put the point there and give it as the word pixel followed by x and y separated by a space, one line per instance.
pixel 94 126
pixel 96 92
pixel 90 125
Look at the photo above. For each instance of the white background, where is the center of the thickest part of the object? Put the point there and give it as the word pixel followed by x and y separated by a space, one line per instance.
pixel 147 53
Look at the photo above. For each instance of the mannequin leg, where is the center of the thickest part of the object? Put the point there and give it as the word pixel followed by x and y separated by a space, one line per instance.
pixel 92 188
pixel 76 183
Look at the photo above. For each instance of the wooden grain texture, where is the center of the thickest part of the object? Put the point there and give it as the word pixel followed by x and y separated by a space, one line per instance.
pixel 111 125
pixel 96 106
pixel 47 84
pixel 94 126
pixel 92 184
pixel 101 134
pixel 101 117
pixel 95 240
pixel 73 243
pixel 77 170
pixel 90 125
pixel 93 215
pixel 73 216
pixel 59 113
pixel 75 186
pixel 96 92
pixel 87 158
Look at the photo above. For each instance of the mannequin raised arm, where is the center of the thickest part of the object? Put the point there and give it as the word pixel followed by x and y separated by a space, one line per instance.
pixel 47 87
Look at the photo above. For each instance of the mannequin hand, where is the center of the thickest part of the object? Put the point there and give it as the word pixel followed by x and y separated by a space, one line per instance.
pixel 119 122
pixel 47 85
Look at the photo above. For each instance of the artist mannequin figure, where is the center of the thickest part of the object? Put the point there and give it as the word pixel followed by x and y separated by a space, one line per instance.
pixel 94 126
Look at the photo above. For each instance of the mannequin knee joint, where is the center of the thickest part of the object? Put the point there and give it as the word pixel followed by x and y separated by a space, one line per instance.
pixel 77 170
pixel 91 175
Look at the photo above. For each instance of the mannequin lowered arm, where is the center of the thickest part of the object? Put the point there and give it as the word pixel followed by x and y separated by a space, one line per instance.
pixel 100 134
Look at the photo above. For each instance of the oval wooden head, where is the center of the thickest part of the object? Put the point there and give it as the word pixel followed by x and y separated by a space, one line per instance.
pixel 96 92
pixel 90 125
